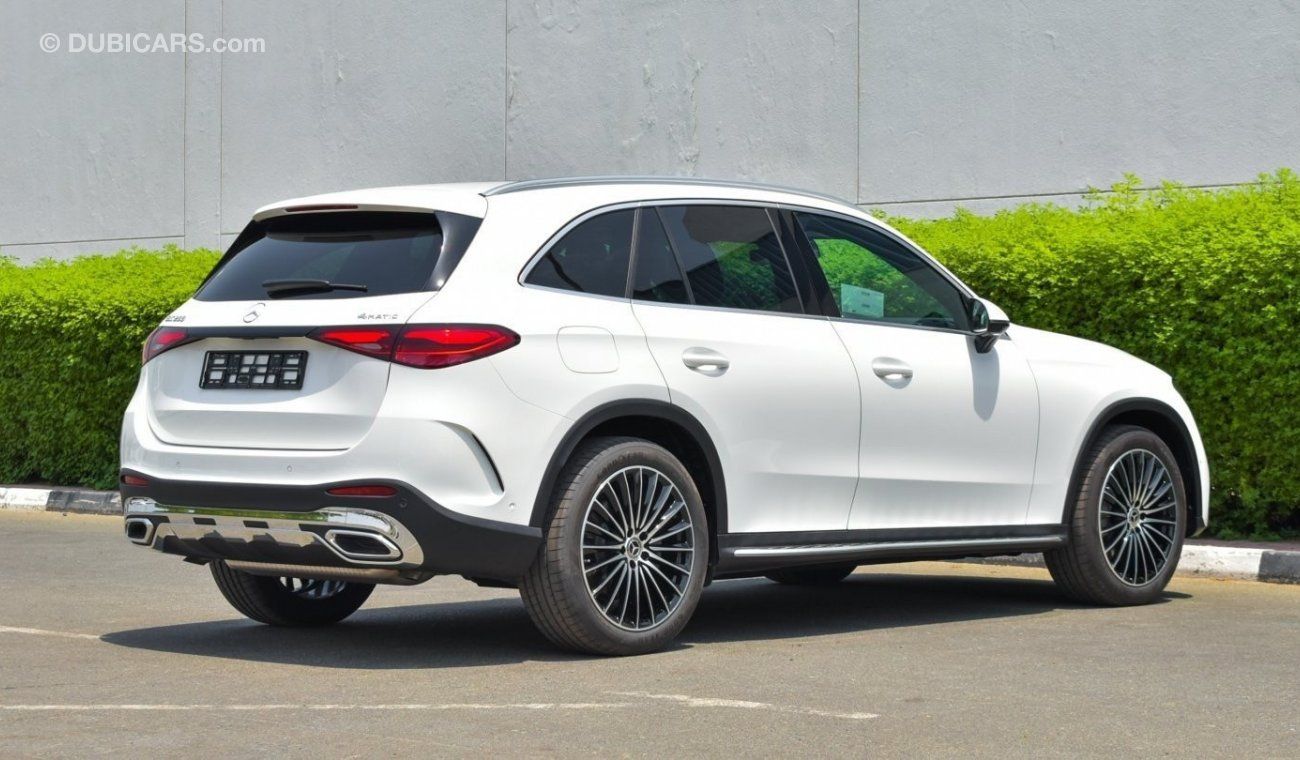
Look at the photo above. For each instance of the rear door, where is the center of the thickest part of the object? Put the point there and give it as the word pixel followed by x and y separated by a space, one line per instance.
pixel 771 384
pixel 251 377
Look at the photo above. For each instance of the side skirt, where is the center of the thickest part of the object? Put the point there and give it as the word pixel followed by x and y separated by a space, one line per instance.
pixel 741 554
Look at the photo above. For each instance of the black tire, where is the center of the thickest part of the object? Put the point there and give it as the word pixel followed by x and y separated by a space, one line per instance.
pixel 1081 568
pixel 814 575
pixel 269 600
pixel 555 590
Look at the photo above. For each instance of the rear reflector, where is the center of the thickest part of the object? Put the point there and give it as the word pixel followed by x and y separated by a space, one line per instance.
pixel 375 490
pixel 134 480
pixel 163 339
pixel 421 346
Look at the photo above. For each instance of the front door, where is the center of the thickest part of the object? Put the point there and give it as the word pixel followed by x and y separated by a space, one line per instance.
pixel 949 435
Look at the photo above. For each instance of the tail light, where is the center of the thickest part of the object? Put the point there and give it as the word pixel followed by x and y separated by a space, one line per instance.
pixel 163 339
pixel 421 346
pixel 371 341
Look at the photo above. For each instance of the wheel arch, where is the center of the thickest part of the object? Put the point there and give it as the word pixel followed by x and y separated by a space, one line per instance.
pixel 659 422
pixel 1161 419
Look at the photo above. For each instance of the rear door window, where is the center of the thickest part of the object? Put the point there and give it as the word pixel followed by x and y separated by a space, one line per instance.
pixel 590 258
pixel 378 253
pixel 732 257
pixel 658 277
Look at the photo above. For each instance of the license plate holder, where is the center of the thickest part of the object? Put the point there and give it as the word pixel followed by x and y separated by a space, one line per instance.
pixel 253 370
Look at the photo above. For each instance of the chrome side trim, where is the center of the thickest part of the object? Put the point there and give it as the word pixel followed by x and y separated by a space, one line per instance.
pixel 892 547
pixel 285 528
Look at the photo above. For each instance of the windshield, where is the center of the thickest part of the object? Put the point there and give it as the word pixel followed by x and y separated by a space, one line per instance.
pixel 376 253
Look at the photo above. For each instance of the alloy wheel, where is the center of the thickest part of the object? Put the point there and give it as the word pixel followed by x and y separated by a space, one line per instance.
pixel 638 545
pixel 1138 516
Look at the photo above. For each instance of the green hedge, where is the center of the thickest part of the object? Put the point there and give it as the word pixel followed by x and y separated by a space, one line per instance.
pixel 70 337
pixel 1202 283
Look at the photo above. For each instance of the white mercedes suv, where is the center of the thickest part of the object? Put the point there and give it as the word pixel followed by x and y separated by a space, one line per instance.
pixel 609 392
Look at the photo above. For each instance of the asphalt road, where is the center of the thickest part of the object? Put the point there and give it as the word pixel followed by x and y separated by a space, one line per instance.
pixel 109 649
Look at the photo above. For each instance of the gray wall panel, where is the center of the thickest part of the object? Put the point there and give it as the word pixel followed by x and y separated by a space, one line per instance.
pixel 979 98
pixel 757 90
pixel 358 94
pixel 92 145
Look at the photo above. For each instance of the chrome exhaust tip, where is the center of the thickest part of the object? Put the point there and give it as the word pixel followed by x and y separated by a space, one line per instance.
pixel 362 546
pixel 139 530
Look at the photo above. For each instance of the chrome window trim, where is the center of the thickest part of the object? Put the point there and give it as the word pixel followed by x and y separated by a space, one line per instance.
pixel 655 202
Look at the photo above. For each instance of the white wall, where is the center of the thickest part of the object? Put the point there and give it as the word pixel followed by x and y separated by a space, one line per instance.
pixel 910 105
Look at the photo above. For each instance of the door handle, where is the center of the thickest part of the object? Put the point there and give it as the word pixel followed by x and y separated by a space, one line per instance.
pixel 891 369
pixel 706 361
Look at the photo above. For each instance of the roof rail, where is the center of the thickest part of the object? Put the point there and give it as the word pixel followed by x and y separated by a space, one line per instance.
pixel 617 179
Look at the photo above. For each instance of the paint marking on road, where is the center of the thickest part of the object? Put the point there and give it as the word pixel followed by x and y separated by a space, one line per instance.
pixel 43 632
pixel 742 704
pixel 322 707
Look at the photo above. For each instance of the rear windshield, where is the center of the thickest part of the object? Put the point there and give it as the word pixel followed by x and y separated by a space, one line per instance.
pixel 358 253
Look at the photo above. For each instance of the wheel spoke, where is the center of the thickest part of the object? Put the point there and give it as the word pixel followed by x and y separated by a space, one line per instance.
pixel 669 563
pixel 614 596
pixel 646 499
pixel 649 576
pixel 616 520
pixel 1162 550
pixel 1118 538
pixel 669 534
pixel 662 501
pixel 607 532
pixel 666 519
pixel 676 589
pixel 1169 541
pixel 596 567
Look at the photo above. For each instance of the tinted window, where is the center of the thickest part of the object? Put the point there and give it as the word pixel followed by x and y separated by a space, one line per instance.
pixel 658 278
pixel 732 257
pixel 590 258
pixel 385 252
pixel 875 277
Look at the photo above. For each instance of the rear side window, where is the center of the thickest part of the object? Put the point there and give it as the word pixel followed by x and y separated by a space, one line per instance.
pixel 591 258
pixel 378 253
pixel 732 257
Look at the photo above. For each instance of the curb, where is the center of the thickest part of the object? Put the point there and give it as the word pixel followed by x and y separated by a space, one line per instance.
pixel 70 500
pixel 1198 560
pixel 1204 561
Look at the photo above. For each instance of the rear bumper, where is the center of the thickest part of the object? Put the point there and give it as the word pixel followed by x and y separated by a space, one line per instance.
pixel 306 526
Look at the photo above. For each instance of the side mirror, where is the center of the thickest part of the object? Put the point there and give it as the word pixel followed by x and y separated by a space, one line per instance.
pixel 988 323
